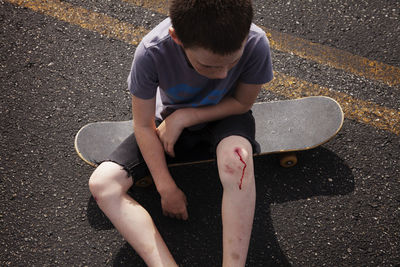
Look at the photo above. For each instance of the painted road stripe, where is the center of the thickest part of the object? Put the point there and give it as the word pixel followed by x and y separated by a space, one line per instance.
pixel 159 6
pixel 333 57
pixel 86 19
pixel 363 111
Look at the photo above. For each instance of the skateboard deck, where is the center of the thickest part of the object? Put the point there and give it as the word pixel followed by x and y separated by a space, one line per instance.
pixel 281 126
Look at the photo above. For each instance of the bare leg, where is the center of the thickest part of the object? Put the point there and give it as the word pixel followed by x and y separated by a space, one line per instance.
pixel 235 166
pixel 109 184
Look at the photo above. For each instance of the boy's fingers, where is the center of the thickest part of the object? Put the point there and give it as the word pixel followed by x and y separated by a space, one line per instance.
pixel 170 150
pixel 166 148
pixel 182 216
pixel 185 215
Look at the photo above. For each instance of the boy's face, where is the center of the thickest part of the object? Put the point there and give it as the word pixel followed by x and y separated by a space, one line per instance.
pixel 210 65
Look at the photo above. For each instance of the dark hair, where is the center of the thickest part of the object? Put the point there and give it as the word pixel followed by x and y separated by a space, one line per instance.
pixel 216 25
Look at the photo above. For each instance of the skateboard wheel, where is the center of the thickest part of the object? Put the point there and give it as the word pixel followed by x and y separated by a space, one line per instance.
pixel 288 160
pixel 144 182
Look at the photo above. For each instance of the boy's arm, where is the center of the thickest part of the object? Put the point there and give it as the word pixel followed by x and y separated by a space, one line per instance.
pixel 172 198
pixel 240 102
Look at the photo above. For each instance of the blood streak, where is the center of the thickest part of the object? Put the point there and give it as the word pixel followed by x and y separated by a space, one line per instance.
pixel 237 150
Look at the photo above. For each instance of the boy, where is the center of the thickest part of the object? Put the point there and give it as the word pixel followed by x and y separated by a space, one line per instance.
pixel 194 78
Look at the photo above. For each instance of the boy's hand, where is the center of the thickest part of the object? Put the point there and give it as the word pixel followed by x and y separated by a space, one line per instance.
pixel 173 203
pixel 170 129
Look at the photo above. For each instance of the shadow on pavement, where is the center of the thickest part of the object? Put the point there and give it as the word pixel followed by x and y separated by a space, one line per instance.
pixel 197 242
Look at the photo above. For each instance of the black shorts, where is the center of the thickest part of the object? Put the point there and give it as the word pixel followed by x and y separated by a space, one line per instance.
pixel 194 143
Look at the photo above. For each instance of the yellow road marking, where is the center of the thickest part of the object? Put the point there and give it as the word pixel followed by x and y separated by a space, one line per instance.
pixel 363 111
pixel 159 6
pixel 86 19
pixel 335 58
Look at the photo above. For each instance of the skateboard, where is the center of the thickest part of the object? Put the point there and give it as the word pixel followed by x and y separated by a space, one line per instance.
pixel 282 127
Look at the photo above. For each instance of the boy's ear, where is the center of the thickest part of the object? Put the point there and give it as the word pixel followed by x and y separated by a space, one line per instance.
pixel 174 37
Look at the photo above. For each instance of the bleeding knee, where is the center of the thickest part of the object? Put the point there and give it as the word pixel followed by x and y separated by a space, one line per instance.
pixel 233 167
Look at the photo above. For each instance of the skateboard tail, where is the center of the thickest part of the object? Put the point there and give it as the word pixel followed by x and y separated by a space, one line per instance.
pixel 76 141
pixel 296 125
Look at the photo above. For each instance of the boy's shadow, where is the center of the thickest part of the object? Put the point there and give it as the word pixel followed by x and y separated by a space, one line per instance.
pixel 198 241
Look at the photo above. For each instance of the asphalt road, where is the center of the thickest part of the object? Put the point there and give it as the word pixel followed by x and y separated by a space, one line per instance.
pixel 340 206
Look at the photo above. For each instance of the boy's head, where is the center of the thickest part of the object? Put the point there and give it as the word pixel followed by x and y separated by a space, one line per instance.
pixel 212 32
pixel 219 26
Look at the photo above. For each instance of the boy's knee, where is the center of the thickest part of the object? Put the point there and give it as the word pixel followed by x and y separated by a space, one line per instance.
pixel 233 161
pixel 234 167
pixel 108 180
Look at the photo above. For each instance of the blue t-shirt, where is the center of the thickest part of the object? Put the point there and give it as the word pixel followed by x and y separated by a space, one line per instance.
pixel 160 69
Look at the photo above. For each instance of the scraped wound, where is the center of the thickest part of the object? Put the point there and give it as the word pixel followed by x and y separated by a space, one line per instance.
pixel 237 150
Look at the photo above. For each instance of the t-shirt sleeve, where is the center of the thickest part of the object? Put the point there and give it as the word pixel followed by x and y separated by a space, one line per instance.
pixel 143 78
pixel 258 68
